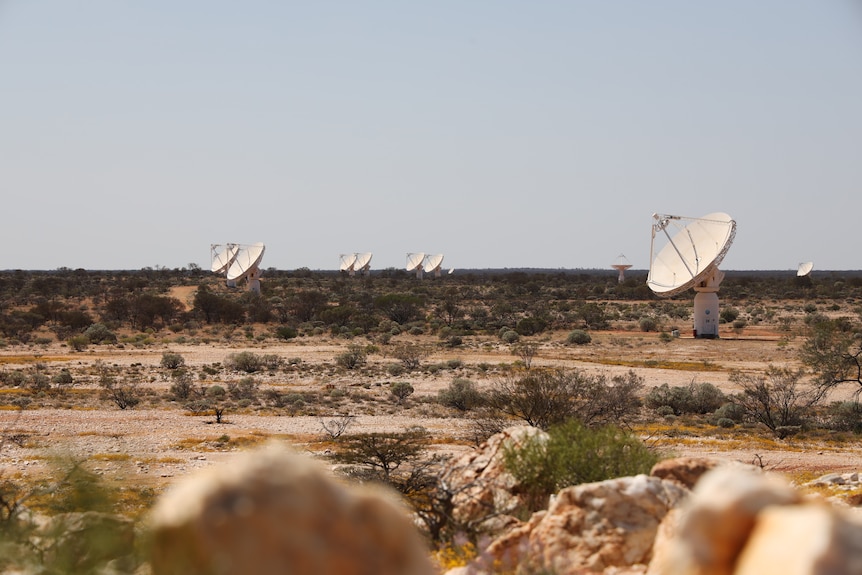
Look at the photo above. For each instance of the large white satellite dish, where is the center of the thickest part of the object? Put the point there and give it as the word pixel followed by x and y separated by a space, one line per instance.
pixel 432 264
pixel 222 256
pixel 690 258
pixel 246 266
pixel 621 264
pixel 414 263
pixel 348 262
pixel 363 262
pixel 804 269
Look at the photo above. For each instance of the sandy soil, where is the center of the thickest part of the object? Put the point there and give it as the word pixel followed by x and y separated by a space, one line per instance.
pixel 155 445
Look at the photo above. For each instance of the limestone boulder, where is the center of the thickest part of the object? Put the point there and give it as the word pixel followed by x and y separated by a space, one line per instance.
pixel 273 511
pixel 486 496
pixel 597 527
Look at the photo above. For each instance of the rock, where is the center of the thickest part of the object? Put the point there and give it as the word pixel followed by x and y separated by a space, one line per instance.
pixel 485 494
pixel 591 527
pixel 810 539
pixel 684 470
pixel 273 511
pixel 713 527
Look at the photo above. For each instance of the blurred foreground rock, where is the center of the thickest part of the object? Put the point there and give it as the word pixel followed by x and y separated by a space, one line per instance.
pixel 272 511
pixel 742 523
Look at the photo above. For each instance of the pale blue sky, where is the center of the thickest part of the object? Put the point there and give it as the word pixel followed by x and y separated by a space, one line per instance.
pixel 500 133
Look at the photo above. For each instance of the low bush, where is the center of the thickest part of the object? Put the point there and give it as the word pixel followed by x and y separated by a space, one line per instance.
pixel 244 361
pixel 579 337
pixel 574 454
pixel 461 394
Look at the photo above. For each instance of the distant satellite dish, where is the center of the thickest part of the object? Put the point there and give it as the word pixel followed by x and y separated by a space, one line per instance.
pixel 621 264
pixel 347 263
pixel 690 259
pixel 804 269
pixel 246 266
pixel 414 263
pixel 451 271
pixel 432 264
pixel 222 256
pixel 363 262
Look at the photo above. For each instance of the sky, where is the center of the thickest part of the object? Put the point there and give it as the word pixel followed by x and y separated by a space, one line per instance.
pixel 500 133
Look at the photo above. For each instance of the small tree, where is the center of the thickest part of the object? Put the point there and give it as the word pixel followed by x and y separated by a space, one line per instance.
pixel 527 351
pixel 775 399
pixel 124 393
pixel 410 355
pixel 337 425
pixel 833 351
pixel 182 386
pixel 384 453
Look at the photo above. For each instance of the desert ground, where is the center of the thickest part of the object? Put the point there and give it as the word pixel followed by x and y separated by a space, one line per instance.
pixel 158 441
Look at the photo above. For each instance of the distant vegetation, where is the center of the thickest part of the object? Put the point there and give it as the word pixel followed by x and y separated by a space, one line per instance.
pixel 92 307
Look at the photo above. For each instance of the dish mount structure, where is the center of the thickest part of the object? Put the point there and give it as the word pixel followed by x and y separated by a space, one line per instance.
pixel 621 264
pixel 690 259
pixel 422 263
pixel 414 263
pixel 432 264
pixel 356 262
pixel 238 262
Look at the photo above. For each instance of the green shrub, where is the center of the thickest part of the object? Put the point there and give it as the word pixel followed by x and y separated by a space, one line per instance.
pixel 725 422
pixel 510 336
pixel 461 395
pixel 172 360
pixel 245 389
pixel 285 332
pixel 648 324
pixel 99 333
pixel 574 454
pixel 845 416
pixel 215 391
pixel 698 398
pixel 354 357
pixel 730 411
pixel 244 361
pixel 78 342
pixel 579 337
pixel 401 390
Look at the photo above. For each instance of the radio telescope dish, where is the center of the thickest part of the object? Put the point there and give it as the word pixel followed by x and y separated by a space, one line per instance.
pixel 621 264
pixel 432 264
pixel 451 271
pixel 246 265
pixel 804 269
pixel 414 263
pixel 222 256
pixel 348 262
pixel 690 259
pixel 363 262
